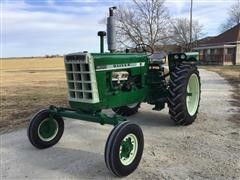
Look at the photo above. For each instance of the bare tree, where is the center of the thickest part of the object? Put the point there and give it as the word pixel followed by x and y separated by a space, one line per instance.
pixel 180 33
pixel 142 21
pixel 233 17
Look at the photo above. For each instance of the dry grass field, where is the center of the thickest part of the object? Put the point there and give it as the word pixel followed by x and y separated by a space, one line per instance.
pixel 32 64
pixel 28 85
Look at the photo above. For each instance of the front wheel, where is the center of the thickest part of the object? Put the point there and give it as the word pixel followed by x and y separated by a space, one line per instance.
pixel 184 94
pixel 124 148
pixel 43 131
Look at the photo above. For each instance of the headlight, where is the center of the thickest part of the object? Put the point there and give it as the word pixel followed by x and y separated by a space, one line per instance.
pixel 176 56
pixel 183 56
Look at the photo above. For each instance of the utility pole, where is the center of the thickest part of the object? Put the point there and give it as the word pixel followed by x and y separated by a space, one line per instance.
pixel 238 7
pixel 191 25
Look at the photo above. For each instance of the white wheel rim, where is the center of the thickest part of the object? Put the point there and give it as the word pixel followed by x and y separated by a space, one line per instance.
pixel 193 93
pixel 51 137
pixel 133 152
pixel 132 105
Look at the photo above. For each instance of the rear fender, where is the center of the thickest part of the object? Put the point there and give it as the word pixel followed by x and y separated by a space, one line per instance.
pixel 174 59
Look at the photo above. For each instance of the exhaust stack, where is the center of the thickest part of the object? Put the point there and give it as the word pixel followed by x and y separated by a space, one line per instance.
pixel 111 30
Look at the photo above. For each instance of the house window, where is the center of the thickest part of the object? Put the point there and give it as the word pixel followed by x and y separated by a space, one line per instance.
pixel 225 51
pixel 208 51
pixel 230 51
pixel 212 51
pixel 220 51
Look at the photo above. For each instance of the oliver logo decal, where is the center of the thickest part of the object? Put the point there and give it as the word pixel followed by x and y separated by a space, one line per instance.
pixel 119 66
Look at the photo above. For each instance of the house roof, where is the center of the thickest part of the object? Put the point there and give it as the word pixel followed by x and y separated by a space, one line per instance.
pixel 229 36
pixel 205 40
pixel 215 46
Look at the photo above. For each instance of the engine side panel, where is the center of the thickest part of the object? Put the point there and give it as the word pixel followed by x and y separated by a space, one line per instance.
pixel 106 91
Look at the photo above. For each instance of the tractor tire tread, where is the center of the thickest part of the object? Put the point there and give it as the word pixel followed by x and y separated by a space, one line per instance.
pixel 177 93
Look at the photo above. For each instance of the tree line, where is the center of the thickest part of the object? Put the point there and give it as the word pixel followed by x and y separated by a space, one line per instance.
pixel 149 22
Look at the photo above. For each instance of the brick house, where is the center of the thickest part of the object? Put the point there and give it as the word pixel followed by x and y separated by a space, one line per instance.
pixel 223 49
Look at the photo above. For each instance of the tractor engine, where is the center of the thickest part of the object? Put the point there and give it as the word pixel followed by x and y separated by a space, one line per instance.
pixel 99 81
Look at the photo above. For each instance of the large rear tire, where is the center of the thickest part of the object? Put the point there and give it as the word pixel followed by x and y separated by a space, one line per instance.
pixel 127 110
pixel 185 91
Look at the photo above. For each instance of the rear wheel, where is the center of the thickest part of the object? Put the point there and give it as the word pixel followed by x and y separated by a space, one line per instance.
pixel 127 110
pixel 43 131
pixel 124 148
pixel 184 90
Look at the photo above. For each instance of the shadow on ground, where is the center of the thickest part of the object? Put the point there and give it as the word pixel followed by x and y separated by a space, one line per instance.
pixel 152 118
pixel 77 163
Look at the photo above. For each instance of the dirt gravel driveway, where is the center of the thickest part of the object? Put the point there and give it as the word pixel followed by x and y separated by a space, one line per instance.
pixel 208 149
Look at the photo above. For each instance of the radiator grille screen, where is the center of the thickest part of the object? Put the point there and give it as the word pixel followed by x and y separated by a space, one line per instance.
pixel 81 78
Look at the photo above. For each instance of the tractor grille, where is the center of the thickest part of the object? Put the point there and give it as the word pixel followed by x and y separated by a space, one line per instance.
pixel 81 78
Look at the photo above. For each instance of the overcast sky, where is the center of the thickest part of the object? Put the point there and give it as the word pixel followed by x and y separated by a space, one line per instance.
pixel 40 27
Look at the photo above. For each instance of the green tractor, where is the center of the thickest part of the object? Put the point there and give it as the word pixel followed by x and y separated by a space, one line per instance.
pixel 121 81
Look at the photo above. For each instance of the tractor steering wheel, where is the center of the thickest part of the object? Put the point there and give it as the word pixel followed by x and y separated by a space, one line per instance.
pixel 144 48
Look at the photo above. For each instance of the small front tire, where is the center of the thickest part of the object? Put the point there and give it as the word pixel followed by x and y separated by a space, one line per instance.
pixel 124 148
pixel 44 132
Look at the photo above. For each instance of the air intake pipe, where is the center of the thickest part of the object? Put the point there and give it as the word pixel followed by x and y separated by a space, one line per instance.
pixel 101 34
pixel 111 30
